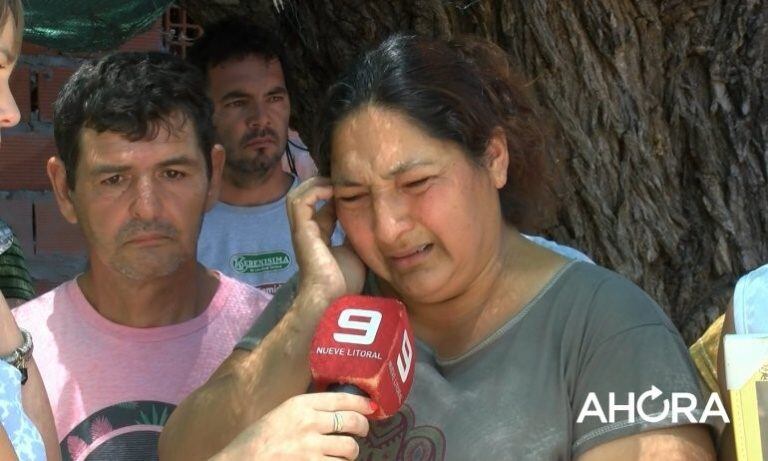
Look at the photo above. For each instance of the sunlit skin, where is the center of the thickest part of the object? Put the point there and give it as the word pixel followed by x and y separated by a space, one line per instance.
pixel 140 206
pixel 428 223
pixel 251 114
pixel 10 337
pixel 132 196
pixel 35 400
pixel 9 111
pixel 410 205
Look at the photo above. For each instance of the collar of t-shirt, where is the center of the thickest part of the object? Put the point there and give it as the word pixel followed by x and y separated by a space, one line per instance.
pixel 89 314
pixel 426 352
pixel 278 204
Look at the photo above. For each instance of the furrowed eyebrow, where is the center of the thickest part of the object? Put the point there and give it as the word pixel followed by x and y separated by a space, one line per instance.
pixel 278 90
pixel 406 166
pixel 235 94
pixel 108 169
pixel 179 160
pixel 399 169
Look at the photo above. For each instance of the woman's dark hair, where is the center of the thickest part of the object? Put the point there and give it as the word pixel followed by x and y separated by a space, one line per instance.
pixel 134 94
pixel 460 91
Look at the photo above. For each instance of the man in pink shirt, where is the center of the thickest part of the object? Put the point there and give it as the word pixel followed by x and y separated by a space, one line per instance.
pixel 120 345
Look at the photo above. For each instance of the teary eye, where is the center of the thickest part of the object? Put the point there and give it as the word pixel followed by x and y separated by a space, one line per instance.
pixel 351 198
pixel 418 185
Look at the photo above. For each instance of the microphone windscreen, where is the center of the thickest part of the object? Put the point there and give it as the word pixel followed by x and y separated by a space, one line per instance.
pixel 366 342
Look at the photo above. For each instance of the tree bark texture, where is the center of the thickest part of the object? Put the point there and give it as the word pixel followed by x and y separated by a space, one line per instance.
pixel 660 107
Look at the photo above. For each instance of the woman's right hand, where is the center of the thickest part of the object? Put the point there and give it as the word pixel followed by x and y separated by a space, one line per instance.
pixel 323 271
pixel 303 427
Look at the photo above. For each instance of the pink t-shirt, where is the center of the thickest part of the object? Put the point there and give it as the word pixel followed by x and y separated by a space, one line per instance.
pixel 113 387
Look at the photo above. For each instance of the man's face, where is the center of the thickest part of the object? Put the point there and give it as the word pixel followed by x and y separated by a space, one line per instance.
pixel 140 204
pixel 251 112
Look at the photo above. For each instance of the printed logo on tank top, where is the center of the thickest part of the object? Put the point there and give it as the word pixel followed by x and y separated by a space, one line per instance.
pixel 269 288
pixel 398 438
pixel 255 263
pixel 127 431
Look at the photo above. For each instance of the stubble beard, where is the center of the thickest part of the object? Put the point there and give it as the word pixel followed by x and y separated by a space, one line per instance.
pixel 147 266
pixel 243 171
pixel 144 264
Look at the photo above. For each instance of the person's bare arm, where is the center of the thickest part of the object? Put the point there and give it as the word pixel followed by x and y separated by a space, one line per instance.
pixel 33 395
pixel 38 408
pixel 682 443
pixel 250 384
pixel 6 449
pixel 244 388
pixel 304 427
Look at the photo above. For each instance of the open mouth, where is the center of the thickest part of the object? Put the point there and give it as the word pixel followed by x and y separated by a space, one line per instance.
pixel 411 258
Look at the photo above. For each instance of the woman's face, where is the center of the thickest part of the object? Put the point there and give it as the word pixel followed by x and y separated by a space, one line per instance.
pixel 9 112
pixel 417 212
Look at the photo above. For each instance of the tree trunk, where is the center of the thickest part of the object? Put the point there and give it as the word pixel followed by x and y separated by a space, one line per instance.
pixel 660 106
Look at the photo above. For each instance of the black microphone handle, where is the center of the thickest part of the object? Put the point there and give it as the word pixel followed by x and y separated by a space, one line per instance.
pixel 348 388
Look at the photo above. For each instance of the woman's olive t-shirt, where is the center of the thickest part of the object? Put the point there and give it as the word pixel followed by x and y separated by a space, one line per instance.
pixel 589 337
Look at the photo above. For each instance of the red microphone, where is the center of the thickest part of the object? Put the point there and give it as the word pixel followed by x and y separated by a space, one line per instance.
pixel 365 343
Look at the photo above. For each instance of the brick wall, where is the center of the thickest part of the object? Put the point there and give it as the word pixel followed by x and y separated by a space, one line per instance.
pixel 55 249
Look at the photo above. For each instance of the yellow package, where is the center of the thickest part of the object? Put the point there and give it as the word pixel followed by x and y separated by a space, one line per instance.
pixel 746 372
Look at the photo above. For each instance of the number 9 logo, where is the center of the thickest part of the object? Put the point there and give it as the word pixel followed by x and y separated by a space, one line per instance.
pixel 367 325
pixel 405 358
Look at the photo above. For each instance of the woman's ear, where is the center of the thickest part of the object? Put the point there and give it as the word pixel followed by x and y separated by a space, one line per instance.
pixel 497 157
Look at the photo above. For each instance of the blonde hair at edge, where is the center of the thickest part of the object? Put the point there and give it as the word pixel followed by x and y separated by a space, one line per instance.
pixel 16 12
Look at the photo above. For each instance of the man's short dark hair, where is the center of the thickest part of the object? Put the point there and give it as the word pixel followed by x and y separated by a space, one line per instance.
pixel 234 39
pixel 134 94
